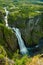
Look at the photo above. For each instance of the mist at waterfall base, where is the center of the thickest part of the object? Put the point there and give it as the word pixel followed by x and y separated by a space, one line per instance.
pixel 22 46
pixel 23 49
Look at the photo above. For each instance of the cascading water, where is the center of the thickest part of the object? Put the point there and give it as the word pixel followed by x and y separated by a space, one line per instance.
pixel 6 17
pixel 23 48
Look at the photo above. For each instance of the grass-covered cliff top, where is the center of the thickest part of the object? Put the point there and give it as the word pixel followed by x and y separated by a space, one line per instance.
pixel 22 10
pixel 20 14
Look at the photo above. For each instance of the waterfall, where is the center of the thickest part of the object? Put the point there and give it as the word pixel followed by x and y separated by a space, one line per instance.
pixel 6 17
pixel 23 48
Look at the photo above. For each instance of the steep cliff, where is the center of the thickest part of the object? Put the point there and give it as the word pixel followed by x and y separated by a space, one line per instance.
pixel 31 28
pixel 8 39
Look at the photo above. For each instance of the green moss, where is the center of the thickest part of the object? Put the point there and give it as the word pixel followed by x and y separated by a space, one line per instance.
pixel 1 56
pixel 6 40
pixel 23 60
pixel 37 35
pixel 2 51
pixel 9 53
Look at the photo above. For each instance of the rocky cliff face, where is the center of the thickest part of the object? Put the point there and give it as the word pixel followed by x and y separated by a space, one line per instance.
pixel 1 17
pixel 31 28
pixel 7 38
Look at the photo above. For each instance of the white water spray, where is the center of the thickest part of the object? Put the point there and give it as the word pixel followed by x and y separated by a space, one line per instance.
pixel 23 48
pixel 6 17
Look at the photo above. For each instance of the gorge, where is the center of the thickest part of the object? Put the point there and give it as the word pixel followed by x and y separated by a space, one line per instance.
pixel 21 32
pixel 23 49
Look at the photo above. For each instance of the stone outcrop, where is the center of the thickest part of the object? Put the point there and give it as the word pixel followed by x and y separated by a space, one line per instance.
pixel 7 38
pixel 31 28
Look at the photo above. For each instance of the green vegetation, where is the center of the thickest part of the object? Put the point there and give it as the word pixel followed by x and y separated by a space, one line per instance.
pixel 23 15
pixel 6 40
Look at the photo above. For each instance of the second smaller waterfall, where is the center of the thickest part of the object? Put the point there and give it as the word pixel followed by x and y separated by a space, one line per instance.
pixel 6 21
pixel 23 48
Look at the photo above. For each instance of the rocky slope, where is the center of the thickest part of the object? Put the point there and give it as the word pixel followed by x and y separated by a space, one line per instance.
pixel 31 28
pixel 8 40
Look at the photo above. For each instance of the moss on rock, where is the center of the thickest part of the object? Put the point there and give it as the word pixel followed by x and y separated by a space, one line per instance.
pixel 8 39
pixel 25 26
